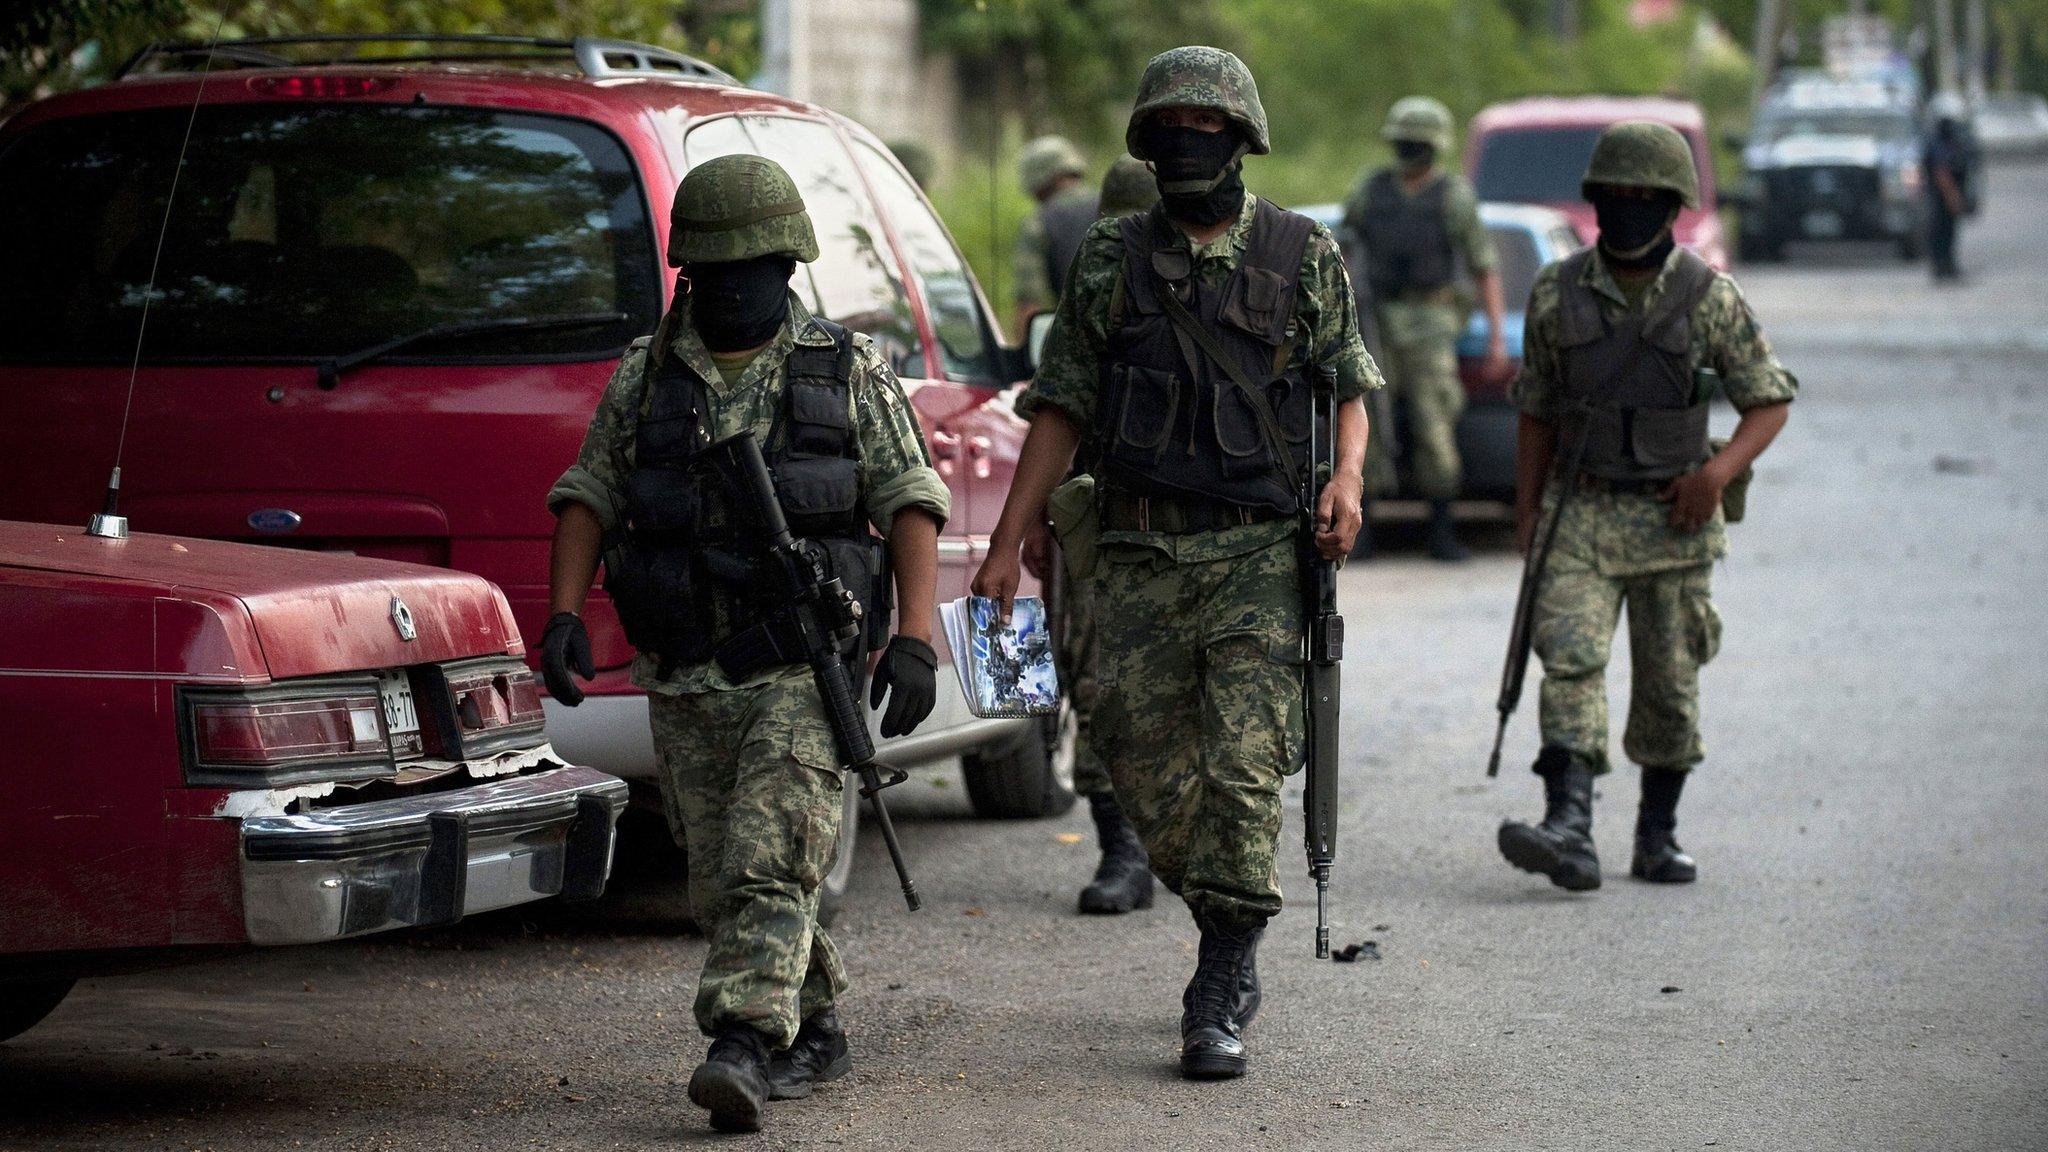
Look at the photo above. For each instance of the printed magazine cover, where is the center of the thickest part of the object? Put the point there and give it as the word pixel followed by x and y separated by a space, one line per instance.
pixel 1006 672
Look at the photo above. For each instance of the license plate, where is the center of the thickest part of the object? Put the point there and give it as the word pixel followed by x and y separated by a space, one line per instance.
pixel 401 716
pixel 1823 225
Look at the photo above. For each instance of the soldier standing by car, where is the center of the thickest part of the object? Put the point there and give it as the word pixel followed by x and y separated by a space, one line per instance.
pixel 1167 318
pixel 750 777
pixel 1945 166
pixel 1052 173
pixel 1123 877
pixel 1414 220
pixel 1624 342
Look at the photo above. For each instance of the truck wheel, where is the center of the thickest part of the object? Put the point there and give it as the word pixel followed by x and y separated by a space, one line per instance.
pixel 23 1005
pixel 1029 777
pixel 832 893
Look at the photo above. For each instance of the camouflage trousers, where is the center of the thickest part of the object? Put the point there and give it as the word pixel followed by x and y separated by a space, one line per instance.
pixel 1074 622
pixel 1672 630
pixel 1199 715
pixel 751 784
pixel 1422 377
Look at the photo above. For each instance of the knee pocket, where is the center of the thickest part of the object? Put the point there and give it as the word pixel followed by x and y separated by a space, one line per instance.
pixel 1255 686
pixel 1702 628
pixel 783 822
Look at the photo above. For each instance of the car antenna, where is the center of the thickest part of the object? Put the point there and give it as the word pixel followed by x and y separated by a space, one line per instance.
pixel 108 523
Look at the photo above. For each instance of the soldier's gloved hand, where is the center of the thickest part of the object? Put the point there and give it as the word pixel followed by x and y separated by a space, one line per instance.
pixel 564 645
pixel 909 673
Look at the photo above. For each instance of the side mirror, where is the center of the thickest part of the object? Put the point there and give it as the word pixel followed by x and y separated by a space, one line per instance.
pixel 1035 331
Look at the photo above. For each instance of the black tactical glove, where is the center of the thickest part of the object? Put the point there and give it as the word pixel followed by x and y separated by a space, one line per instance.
pixel 910 668
pixel 565 645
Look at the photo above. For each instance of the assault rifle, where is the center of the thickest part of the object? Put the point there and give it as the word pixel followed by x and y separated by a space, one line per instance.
pixel 825 616
pixel 1322 672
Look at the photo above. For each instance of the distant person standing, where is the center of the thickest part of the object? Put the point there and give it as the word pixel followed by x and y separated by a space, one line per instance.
pixel 1052 172
pixel 1415 220
pixel 1946 165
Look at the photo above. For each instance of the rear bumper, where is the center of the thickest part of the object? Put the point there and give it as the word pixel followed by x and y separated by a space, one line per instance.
pixel 429 859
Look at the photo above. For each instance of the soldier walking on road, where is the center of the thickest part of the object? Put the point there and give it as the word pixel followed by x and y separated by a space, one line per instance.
pixel 1414 220
pixel 1052 172
pixel 1167 319
pixel 1624 342
pixel 750 776
pixel 1123 878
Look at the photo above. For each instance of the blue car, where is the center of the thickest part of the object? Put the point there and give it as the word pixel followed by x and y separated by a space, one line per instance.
pixel 1525 238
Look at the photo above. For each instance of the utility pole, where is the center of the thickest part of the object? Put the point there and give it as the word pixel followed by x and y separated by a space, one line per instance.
pixel 1768 13
pixel 1564 19
pixel 1973 49
pixel 1945 45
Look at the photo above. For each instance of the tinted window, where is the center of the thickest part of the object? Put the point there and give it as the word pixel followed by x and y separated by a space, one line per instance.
pixel 314 230
pixel 854 279
pixel 1518 262
pixel 1534 165
pixel 965 343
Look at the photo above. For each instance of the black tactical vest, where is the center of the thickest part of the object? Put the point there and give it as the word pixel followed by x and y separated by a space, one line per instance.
pixel 1645 425
pixel 1066 223
pixel 679 569
pixel 1169 422
pixel 1407 240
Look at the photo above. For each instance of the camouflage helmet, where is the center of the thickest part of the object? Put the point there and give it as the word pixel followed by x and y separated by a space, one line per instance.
pixel 1045 160
pixel 1127 188
pixel 1420 118
pixel 738 207
pixel 1200 77
pixel 1643 154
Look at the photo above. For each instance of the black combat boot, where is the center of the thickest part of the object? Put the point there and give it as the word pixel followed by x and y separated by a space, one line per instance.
pixel 1248 992
pixel 732 1082
pixel 1658 858
pixel 1123 881
pixel 818 1054
pixel 1443 534
pixel 1562 846
pixel 1211 1035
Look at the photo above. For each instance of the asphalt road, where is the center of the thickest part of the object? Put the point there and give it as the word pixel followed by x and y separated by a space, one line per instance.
pixel 1861 967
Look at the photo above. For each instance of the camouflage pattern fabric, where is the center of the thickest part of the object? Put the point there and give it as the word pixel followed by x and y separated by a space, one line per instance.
pixel 1028 259
pixel 1200 77
pixel 752 788
pixel 1199 715
pixel 1045 159
pixel 1419 118
pixel 1617 550
pixel 1418 340
pixel 1643 154
pixel 738 207
pixel 1075 627
pixel 1070 367
pixel 894 471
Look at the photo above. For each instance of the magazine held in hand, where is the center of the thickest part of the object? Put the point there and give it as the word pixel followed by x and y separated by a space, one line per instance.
pixel 1007 672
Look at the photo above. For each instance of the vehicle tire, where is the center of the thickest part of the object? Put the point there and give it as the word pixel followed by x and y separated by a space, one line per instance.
pixel 832 893
pixel 1029 777
pixel 23 1005
pixel 1909 247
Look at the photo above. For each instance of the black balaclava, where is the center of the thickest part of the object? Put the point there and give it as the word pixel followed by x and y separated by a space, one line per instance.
pixel 1200 177
pixel 1635 234
pixel 1414 155
pixel 737 304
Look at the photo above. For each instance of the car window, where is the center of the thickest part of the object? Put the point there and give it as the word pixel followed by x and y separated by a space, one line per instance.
pixel 1518 261
pixel 1884 125
pixel 312 230
pixel 966 343
pixel 1534 165
pixel 855 279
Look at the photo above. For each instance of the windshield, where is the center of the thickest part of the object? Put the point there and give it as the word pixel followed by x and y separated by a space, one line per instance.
pixel 1534 165
pixel 1516 261
pixel 308 231
pixel 1880 125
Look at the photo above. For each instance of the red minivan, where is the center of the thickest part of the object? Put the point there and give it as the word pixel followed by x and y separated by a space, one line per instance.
pixel 389 295
pixel 1534 151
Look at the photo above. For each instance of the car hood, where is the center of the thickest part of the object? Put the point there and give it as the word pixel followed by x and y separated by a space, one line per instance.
pixel 308 613
pixel 1803 151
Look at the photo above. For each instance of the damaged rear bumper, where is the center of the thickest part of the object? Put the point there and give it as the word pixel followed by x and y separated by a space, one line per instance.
pixel 428 859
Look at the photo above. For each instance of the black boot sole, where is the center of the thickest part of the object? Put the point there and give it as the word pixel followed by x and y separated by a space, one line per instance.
pixel 1098 902
pixel 799 1089
pixel 733 1098
pixel 1664 875
pixel 1210 1066
pixel 1527 849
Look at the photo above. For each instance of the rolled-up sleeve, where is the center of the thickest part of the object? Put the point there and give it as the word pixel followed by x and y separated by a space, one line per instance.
pixel 895 471
pixel 1534 390
pixel 597 480
pixel 1738 350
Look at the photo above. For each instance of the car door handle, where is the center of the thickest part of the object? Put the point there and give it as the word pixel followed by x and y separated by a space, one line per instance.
pixel 978 448
pixel 946 452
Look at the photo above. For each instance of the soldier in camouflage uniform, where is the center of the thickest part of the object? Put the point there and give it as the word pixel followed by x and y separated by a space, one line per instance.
pixel 1625 339
pixel 1123 877
pixel 1412 220
pixel 1198 598
pixel 1052 172
pixel 750 777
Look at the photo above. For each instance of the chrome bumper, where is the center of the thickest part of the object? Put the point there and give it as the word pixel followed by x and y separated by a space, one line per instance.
pixel 428 859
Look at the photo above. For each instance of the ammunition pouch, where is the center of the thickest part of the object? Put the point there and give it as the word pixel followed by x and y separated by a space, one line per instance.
pixel 1076 524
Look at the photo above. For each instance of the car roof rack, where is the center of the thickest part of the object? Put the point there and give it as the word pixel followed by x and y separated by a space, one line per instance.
pixel 597 57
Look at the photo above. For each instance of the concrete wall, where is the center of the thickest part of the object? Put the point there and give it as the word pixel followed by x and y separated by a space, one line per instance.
pixel 862 58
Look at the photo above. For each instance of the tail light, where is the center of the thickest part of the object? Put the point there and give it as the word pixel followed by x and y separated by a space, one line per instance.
pixel 481 707
pixel 325 729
